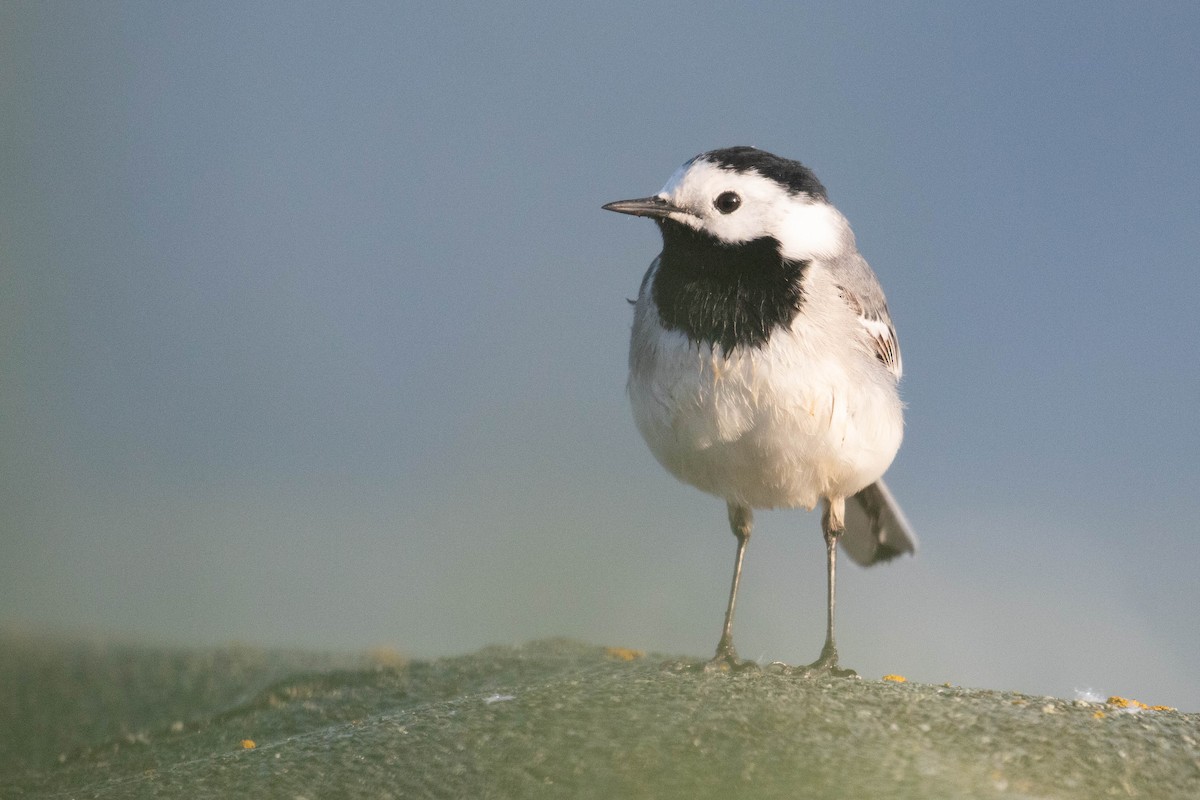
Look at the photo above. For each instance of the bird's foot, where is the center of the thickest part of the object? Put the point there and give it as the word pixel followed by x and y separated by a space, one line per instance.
pixel 820 668
pixel 826 665
pixel 728 662
pixel 725 661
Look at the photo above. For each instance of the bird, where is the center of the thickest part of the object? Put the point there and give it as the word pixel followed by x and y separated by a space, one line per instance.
pixel 764 367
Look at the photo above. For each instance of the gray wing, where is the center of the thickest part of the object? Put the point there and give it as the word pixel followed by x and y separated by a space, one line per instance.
pixel 876 529
pixel 863 294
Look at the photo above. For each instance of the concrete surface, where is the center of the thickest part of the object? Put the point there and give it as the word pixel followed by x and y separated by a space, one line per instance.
pixel 549 719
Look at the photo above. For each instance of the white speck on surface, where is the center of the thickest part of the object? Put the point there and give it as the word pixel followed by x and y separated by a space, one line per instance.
pixel 499 698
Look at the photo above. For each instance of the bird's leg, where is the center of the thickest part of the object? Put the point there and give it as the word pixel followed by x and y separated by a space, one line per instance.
pixel 741 520
pixel 832 524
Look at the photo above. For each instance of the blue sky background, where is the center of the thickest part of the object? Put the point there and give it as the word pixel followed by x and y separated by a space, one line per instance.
pixel 312 331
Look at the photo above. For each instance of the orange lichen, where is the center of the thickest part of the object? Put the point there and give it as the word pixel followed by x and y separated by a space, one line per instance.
pixel 386 657
pixel 623 653
pixel 895 678
pixel 1123 702
pixel 248 744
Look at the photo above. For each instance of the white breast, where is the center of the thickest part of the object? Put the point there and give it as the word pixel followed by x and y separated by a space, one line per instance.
pixel 812 414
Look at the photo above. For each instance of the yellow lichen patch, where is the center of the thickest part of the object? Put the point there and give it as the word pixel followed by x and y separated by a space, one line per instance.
pixel 1123 702
pixel 623 653
pixel 1099 715
pixel 895 678
pixel 248 744
pixel 385 657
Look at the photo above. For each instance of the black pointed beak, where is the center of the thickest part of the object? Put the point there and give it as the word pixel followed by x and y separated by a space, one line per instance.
pixel 655 207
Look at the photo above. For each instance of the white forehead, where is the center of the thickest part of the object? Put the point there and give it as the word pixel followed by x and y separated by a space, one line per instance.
pixel 805 226
pixel 698 183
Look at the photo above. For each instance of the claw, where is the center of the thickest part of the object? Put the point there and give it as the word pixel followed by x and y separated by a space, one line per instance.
pixel 826 665
pixel 727 663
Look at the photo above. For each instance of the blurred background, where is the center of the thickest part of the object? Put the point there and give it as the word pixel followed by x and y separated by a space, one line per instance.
pixel 313 333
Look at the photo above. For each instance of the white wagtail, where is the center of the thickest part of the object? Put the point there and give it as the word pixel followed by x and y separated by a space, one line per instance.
pixel 763 366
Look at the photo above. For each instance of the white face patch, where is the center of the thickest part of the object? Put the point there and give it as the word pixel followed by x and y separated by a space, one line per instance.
pixel 804 226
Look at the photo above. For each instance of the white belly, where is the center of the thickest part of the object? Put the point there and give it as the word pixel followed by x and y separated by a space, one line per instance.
pixel 802 418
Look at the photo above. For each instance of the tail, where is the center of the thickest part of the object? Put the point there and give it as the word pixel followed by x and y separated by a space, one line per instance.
pixel 876 529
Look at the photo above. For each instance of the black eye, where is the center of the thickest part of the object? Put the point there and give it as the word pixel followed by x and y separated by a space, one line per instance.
pixel 727 202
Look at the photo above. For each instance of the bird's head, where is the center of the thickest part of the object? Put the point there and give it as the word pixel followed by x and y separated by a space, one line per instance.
pixel 738 195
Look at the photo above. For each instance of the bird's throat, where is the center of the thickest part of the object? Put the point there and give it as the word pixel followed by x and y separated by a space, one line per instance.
pixel 727 295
